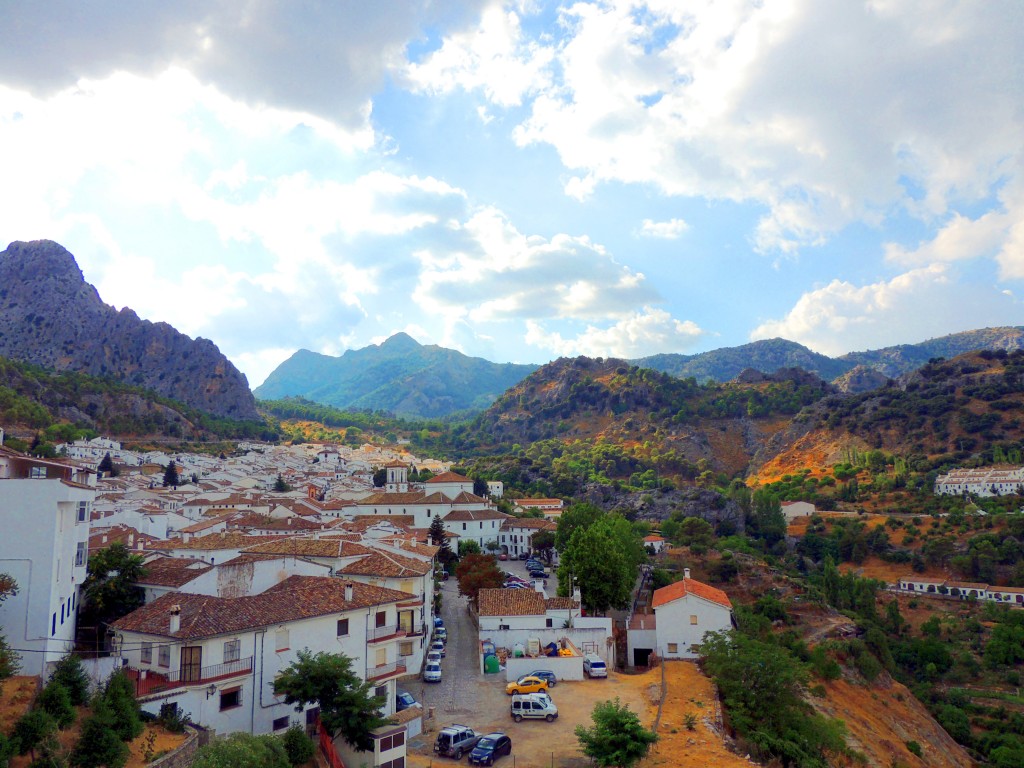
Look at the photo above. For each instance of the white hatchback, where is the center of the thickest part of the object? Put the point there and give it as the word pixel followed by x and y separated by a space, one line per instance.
pixel 432 672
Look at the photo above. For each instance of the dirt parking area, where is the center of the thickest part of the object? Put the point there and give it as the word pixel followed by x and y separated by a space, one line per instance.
pixel 535 742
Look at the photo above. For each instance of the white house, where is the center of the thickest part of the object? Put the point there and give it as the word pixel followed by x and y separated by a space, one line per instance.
pixel 981 481
pixel 794 509
pixel 217 657
pixel 684 612
pixel 516 533
pixel 44 508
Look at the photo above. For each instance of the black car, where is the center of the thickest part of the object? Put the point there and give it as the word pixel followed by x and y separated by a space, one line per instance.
pixel 537 573
pixel 490 748
pixel 545 674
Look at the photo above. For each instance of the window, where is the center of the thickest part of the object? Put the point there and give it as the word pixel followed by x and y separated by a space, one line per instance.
pixel 281 723
pixel 230 699
pixel 547 623
pixel 342 627
pixel 37 473
pixel 673 647
pixel 62 613
pixel 82 554
pixel 381 690
pixel 382 618
pixel 382 657
pixel 281 639
pixel 83 511
pixel 164 656
pixel 391 742
pixel 405 649
pixel 398 762
pixel 463 526
pixel 232 650
pixel 53 624
pixel 147 653
pixel 693 618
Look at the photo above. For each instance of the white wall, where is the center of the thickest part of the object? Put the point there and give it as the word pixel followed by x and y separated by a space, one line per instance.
pixel 674 624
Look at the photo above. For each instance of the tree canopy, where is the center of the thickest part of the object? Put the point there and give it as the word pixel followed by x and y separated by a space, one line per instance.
pixel 171 477
pixel 602 560
pixel 348 707
pixel 110 588
pixel 476 572
pixel 581 515
pixel 617 738
pixel 243 750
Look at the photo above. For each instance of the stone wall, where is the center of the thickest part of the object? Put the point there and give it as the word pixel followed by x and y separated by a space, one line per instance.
pixel 183 756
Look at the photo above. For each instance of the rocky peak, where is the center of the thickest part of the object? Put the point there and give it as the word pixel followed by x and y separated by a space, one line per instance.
pixel 50 316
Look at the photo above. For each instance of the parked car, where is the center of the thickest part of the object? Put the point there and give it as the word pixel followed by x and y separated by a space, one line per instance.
pixel 503 556
pixel 440 633
pixel 438 622
pixel 593 666
pixel 434 656
pixel 526 684
pixel 533 708
pixel 404 700
pixel 455 741
pixel 438 645
pixel 490 748
pixel 538 573
pixel 432 672
pixel 533 561
pixel 546 674
pixel 524 555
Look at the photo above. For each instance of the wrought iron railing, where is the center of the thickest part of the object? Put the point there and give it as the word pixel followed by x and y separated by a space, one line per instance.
pixel 380 633
pixel 149 681
pixel 385 670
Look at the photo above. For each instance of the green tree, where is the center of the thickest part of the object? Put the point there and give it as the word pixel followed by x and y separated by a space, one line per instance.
pixel 10 661
pixel 106 465
pixel 380 477
pixel 469 547
pixel 617 738
pixel 119 695
pixel 242 750
pixel 695 531
pixel 767 521
pixel 70 673
pixel 298 746
pixel 581 515
pixel 439 538
pixel 33 727
pixel 280 486
pixel 171 477
pixel 110 588
pixel 478 571
pixel 348 707
pixel 602 560
pixel 543 543
pixel 56 702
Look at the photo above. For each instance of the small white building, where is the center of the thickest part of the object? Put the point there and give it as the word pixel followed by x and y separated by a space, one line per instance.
pixel 794 509
pixel 683 613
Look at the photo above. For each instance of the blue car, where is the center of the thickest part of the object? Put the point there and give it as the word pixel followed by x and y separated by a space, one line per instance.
pixel 490 748
pixel 404 701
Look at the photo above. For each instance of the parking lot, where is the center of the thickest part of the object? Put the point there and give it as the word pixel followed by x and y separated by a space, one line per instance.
pixel 468 697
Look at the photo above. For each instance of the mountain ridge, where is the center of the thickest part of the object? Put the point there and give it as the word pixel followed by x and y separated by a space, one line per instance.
pixel 51 317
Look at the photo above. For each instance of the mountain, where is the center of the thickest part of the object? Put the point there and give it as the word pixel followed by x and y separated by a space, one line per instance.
pixel 766 356
pixel 400 375
pixel 904 358
pixel 51 317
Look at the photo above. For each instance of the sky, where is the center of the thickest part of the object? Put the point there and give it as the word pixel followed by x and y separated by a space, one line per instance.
pixel 525 180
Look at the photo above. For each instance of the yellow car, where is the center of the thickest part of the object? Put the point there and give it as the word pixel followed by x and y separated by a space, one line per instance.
pixel 527 684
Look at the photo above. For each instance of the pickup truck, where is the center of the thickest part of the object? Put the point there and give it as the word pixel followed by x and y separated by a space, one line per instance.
pixel 456 740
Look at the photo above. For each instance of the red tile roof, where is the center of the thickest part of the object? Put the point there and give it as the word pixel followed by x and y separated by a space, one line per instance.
pixel 308 547
pixel 685 587
pixel 458 515
pixel 387 564
pixel 511 602
pixel 295 598
pixel 449 477
pixel 172 571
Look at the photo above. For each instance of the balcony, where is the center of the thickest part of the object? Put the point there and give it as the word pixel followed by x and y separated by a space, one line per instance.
pixel 148 681
pixel 386 632
pixel 374 674
pixel 419 631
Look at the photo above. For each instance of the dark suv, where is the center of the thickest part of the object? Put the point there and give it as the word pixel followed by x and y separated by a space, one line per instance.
pixel 455 741
pixel 545 674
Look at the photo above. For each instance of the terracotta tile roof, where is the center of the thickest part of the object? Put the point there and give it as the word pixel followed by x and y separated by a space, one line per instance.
pixel 173 571
pixel 449 477
pixel 122 534
pixel 460 515
pixel 396 463
pixel 268 523
pixel 416 547
pixel 387 564
pixel 560 603
pixel 511 602
pixel 396 499
pixel 921 580
pixel 683 587
pixel 1008 590
pixel 307 547
pixel 362 522
pixel 538 502
pixel 532 523
pixel 652 538
pixel 965 585
pixel 203 525
pixel 295 598
pixel 465 497
pixel 232 540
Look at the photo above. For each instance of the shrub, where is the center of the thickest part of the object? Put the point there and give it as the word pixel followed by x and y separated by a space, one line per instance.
pixel 173 718
pixel 298 746
pixel 120 696
pixel 914 748
pixel 34 726
pixel 72 676
pixel 56 702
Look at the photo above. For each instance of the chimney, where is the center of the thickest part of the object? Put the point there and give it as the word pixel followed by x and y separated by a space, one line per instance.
pixel 175 619
pixel 538 584
pixel 349 587
pixel 686 573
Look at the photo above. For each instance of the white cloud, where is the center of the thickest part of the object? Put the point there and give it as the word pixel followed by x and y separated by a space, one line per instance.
pixel 665 230
pixel 960 238
pixel 916 305
pixel 825 112
pixel 492 56
pixel 642 333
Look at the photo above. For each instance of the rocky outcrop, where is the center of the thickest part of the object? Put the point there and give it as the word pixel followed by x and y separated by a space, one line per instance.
pixel 51 317
pixel 860 379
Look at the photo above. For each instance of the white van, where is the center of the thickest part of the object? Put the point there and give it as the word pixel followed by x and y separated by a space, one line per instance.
pixel 594 666
pixel 530 705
